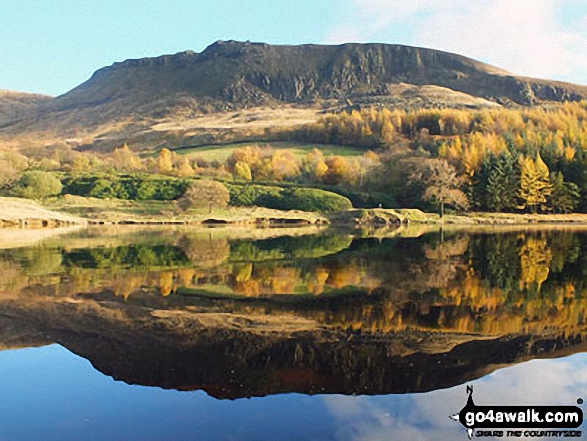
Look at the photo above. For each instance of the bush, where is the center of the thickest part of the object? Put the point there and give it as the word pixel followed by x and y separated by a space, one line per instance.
pixel 134 187
pixel 37 185
pixel 249 195
pixel 305 199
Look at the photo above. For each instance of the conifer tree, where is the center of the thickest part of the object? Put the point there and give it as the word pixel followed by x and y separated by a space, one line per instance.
pixel 535 184
pixel 565 195
pixel 503 182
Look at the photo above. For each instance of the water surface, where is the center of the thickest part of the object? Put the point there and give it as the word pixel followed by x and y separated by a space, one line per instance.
pixel 165 334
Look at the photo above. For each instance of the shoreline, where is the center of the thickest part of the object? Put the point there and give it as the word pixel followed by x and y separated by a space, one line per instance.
pixel 76 211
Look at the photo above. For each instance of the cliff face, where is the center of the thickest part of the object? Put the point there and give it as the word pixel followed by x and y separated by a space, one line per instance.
pixel 244 74
pixel 233 75
pixel 137 95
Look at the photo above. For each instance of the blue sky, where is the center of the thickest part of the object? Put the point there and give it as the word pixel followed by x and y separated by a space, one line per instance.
pixel 51 46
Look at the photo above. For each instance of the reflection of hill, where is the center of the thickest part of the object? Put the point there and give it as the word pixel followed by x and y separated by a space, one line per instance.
pixel 246 353
pixel 187 309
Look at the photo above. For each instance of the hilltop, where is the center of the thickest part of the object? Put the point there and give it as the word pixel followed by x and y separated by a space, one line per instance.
pixel 154 98
pixel 14 105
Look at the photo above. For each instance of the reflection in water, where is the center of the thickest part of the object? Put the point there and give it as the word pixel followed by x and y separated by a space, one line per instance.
pixel 424 417
pixel 521 283
pixel 65 399
pixel 313 312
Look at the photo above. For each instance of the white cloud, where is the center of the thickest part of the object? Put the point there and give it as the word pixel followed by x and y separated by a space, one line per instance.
pixel 527 37
pixel 425 416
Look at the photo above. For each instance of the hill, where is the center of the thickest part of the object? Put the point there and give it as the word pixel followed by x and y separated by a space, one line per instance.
pixel 144 96
pixel 14 105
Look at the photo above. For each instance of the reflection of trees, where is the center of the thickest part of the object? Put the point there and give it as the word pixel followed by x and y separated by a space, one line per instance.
pixel 205 253
pixel 40 261
pixel 488 284
pixel 11 277
pixel 535 258
pixel 443 260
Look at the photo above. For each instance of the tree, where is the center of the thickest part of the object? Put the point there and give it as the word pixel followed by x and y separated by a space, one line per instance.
pixel 165 161
pixel 11 167
pixel 340 171
pixel 442 184
pixel 250 155
pixel 535 184
pixel 284 165
pixel 185 169
pixel 204 193
pixel 387 132
pixel 242 171
pixel 80 163
pixel 314 167
pixel 124 159
pixel 565 195
pixel 503 182
pixel 38 184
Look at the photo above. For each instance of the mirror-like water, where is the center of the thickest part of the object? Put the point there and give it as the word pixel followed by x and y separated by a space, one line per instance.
pixel 284 333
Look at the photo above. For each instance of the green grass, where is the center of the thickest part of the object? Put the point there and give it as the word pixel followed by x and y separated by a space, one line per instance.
pixel 221 153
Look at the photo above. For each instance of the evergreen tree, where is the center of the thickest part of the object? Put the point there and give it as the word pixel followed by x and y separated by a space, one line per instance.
pixel 503 182
pixel 565 195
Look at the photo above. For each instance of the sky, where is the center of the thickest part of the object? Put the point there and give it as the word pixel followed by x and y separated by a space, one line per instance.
pixel 51 46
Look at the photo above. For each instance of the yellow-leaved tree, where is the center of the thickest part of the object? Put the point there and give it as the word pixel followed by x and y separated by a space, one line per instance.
pixel 535 185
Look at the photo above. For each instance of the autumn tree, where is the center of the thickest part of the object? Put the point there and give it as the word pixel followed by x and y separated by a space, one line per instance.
pixel 314 166
pixel 205 193
pixel 185 169
pixel 535 185
pixel 284 165
pixel 387 131
pixel 124 159
pixel 81 163
pixel 12 165
pixel 340 171
pixel 165 161
pixel 249 155
pixel 242 171
pixel 442 184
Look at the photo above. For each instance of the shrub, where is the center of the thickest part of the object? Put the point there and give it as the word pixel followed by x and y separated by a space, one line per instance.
pixel 307 199
pixel 293 198
pixel 37 185
pixel 249 195
pixel 135 186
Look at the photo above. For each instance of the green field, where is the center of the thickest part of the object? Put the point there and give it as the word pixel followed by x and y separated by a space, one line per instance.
pixel 221 152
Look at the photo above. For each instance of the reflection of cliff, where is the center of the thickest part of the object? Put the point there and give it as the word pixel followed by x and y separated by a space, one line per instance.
pixel 201 310
pixel 246 353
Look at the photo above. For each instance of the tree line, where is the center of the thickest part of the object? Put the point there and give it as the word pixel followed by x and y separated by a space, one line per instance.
pixel 493 159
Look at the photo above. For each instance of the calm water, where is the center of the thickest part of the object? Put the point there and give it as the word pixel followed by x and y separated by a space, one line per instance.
pixel 301 334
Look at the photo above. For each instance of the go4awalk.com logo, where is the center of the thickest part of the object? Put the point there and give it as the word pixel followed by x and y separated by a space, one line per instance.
pixel 519 421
